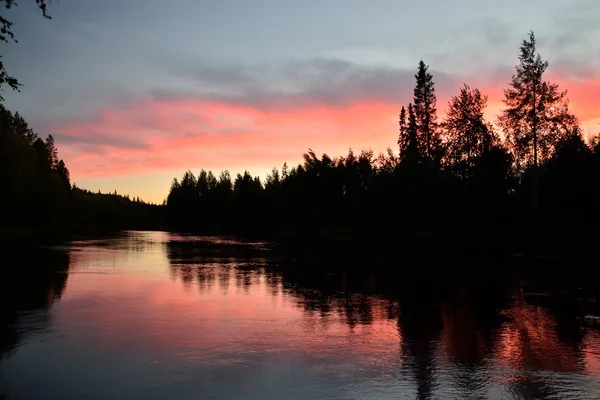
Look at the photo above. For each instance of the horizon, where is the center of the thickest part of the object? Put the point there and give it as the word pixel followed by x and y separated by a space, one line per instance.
pixel 132 107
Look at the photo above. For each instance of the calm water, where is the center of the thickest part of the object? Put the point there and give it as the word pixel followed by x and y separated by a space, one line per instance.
pixel 153 315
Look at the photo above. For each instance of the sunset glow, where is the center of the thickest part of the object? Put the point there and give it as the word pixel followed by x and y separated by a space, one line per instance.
pixel 132 109
pixel 151 137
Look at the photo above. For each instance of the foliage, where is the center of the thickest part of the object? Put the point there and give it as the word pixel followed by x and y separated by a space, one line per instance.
pixel 424 103
pixel 454 175
pixel 37 198
pixel 468 135
pixel 449 176
pixel 537 114
pixel 6 35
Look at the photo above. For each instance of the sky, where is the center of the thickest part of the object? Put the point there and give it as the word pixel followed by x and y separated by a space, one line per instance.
pixel 136 92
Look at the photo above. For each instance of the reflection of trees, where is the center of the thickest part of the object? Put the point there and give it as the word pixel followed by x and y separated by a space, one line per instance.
pixel 470 317
pixel 31 286
pixel 455 327
pixel 210 261
pixel 544 334
pixel 420 326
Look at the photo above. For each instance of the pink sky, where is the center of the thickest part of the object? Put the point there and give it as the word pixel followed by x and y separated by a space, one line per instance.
pixel 133 105
pixel 166 137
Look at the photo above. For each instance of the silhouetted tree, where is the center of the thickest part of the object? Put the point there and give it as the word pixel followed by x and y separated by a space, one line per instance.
pixel 273 181
pixel 403 139
pixel 424 100
pixel 6 35
pixel 410 151
pixel 468 135
pixel 536 113
pixel 21 128
pixel 354 199
pixel 565 182
pixel 64 174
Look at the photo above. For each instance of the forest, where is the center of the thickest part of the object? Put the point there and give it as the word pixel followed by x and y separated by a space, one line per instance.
pixel 38 201
pixel 455 181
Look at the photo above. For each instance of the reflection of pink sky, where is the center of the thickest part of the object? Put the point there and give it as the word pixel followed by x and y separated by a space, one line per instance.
pixel 592 353
pixel 530 341
pixel 225 313
pixel 223 320
pixel 156 315
pixel 164 138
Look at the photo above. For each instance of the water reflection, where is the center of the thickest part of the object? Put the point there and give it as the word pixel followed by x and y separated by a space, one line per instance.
pixel 158 315
pixel 455 337
pixel 28 289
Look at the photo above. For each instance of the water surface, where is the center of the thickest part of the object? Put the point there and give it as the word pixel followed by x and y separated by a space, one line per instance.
pixel 155 315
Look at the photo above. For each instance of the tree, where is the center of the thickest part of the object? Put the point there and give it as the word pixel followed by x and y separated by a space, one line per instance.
pixel 387 162
pixel 424 100
pixel 536 113
pixel 273 180
pixel 403 128
pixel 6 35
pixel 468 135
pixel 409 141
pixel 63 172
pixel 21 128
pixel 51 152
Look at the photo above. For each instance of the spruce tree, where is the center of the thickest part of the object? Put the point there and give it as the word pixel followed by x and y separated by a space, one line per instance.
pixel 403 129
pixel 536 114
pixel 424 100
pixel 412 153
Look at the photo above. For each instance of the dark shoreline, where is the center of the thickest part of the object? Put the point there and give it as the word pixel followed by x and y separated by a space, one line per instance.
pixel 448 253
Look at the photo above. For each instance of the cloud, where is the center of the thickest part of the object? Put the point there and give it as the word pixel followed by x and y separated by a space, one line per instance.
pixel 93 139
pixel 300 83
pixel 325 104
pixel 329 105
pixel 219 136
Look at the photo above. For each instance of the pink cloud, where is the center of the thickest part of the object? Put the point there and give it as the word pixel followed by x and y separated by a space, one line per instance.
pixel 190 132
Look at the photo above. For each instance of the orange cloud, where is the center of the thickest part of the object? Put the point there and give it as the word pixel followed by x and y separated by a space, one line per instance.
pixel 190 133
pixel 176 134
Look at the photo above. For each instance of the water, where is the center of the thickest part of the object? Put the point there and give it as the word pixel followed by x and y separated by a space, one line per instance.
pixel 154 315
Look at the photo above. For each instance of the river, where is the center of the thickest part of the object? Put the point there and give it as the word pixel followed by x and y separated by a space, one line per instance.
pixel 157 315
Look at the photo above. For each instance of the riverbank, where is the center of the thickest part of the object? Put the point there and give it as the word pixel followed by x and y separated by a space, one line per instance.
pixel 444 251
pixel 522 243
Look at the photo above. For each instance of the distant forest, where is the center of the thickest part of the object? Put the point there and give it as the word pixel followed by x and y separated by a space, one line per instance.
pixel 530 172
pixel 451 179
pixel 38 200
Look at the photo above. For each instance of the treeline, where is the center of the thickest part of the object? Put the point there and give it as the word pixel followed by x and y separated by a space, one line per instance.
pixel 94 212
pixel 536 173
pixel 37 200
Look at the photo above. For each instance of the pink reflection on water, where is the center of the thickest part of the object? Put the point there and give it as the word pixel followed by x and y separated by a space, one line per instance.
pixel 220 314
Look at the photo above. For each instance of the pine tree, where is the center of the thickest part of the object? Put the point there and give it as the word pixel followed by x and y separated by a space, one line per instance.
pixel 412 152
pixel 537 113
pixel 202 183
pixel 467 133
pixel 21 128
pixel 63 172
pixel 273 180
pixel 408 141
pixel 51 152
pixel 284 171
pixel 403 128
pixel 424 100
